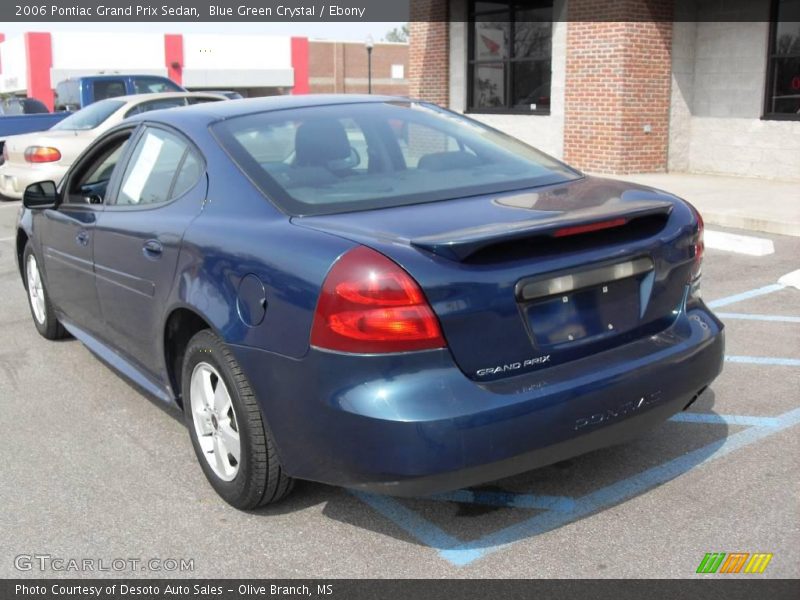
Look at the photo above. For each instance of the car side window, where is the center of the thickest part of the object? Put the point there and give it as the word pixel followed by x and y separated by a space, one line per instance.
pixel 162 167
pixel 154 85
pixel 104 169
pixel 191 100
pixel 110 88
pixel 90 183
pixel 190 172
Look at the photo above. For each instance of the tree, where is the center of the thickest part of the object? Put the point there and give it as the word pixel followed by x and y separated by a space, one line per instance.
pixel 398 34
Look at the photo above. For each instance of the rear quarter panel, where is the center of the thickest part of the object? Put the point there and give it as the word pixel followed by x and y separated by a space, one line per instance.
pixel 241 233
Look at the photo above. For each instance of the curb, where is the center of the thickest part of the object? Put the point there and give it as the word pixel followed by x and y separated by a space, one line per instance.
pixel 751 223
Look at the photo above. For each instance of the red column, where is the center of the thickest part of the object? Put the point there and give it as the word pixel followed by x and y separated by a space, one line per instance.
pixel 173 56
pixel 300 65
pixel 2 39
pixel 38 60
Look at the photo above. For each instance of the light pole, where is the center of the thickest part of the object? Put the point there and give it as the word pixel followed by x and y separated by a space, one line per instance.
pixel 369 44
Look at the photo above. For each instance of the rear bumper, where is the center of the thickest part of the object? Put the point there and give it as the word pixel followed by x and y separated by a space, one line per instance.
pixel 413 424
pixel 14 178
pixel 610 435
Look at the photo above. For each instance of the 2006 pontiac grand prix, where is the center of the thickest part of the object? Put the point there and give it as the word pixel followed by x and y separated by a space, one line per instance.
pixel 369 292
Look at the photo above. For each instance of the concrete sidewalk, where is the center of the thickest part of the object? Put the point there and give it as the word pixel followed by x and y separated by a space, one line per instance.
pixel 766 205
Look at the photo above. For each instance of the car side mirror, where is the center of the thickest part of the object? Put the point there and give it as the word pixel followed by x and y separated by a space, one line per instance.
pixel 42 194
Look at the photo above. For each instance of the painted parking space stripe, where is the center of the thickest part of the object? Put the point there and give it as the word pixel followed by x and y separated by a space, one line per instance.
pixel 715 419
pixel 615 493
pixel 764 360
pixel 462 554
pixel 791 279
pixel 740 244
pixel 762 291
pixel 747 317
pixel 408 520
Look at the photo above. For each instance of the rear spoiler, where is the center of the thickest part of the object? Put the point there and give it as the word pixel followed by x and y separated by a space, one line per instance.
pixel 462 243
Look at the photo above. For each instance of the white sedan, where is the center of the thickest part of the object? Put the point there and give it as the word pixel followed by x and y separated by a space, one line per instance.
pixel 46 155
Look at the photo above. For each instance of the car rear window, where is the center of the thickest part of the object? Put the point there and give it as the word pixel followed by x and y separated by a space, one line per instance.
pixel 91 116
pixel 361 156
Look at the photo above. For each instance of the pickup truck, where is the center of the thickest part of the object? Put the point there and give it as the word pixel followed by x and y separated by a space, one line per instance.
pixel 74 94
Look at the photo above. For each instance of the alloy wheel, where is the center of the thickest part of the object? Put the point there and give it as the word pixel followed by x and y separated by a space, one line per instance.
pixel 36 290
pixel 215 421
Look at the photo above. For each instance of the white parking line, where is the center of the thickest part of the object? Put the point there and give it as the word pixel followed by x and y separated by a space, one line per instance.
pixel 791 279
pixel 9 205
pixel 741 244
pixel 8 239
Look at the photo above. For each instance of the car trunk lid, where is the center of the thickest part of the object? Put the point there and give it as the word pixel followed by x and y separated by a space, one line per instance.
pixel 525 280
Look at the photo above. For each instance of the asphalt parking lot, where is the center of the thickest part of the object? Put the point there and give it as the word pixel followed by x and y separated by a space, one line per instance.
pixel 93 469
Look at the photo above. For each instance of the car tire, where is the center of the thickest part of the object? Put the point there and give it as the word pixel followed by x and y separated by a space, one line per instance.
pixel 44 317
pixel 251 475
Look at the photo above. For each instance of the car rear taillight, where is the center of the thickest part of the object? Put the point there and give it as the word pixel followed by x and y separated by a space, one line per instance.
pixel 41 154
pixel 369 304
pixel 5 152
pixel 699 247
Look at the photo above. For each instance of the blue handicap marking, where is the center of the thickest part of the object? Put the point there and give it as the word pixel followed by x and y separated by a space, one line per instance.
pixel 749 317
pixel 714 419
pixel 557 511
pixel 764 360
pixel 463 553
pixel 762 291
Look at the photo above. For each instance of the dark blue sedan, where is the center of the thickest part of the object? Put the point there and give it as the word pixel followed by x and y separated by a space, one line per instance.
pixel 370 292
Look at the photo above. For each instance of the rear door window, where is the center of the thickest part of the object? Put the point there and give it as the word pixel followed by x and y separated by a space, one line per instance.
pixel 108 88
pixel 162 166
pixel 154 85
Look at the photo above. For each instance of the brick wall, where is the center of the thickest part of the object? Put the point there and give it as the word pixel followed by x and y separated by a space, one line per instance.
pixel 618 84
pixel 429 51
pixel 341 68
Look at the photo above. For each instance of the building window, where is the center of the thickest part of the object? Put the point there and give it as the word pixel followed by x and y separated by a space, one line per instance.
pixel 510 47
pixel 783 68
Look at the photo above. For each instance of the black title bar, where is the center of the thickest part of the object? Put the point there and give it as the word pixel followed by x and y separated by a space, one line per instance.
pixel 333 11
pixel 705 587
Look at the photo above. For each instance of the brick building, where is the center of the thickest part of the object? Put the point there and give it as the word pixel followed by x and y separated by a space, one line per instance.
pixel 341 68
pixel 622 86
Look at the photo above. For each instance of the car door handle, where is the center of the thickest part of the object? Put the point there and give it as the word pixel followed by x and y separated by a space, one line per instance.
pixel 152 248
pixel 82 238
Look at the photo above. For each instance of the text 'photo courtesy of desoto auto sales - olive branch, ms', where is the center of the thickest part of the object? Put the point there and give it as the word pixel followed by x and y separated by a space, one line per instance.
pixel 430 298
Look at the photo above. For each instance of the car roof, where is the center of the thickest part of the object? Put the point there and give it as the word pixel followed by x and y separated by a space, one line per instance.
pixel 135 98
pixel 100 76
pixel 218 111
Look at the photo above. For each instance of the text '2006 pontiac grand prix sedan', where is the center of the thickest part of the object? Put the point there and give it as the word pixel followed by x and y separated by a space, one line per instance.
pixel 370 292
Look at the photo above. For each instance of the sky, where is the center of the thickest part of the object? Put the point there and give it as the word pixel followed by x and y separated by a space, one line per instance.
pixel 330 31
